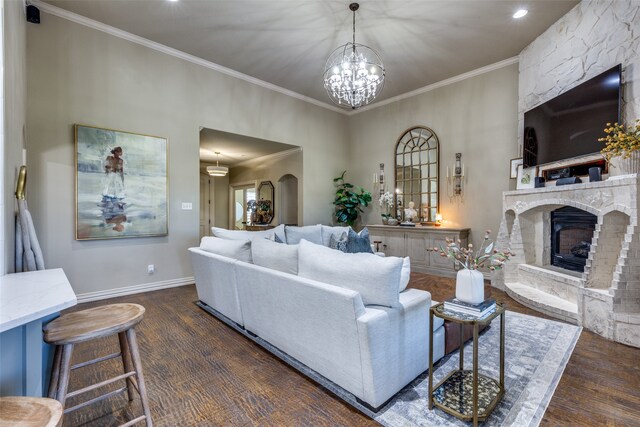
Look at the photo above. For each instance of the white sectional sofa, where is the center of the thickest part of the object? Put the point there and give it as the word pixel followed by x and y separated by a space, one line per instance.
pixel 370 350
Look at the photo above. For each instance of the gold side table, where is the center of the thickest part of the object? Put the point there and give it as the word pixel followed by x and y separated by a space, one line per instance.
pixel 466 394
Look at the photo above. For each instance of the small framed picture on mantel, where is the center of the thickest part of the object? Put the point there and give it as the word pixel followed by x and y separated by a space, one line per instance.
pixel 526 177
pixel 514 167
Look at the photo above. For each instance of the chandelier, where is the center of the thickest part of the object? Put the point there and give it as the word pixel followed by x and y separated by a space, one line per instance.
pixel 217 170
pixel 354 73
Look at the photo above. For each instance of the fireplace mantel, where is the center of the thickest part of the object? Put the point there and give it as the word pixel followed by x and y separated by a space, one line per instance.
pixel 605 298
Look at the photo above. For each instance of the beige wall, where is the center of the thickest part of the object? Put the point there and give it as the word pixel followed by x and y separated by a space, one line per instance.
pixel 15 112
pixel 272 169
pixel 221 201
pixel 80 75
pixel 476 117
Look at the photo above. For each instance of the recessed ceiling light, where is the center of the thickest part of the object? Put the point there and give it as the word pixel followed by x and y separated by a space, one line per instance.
pixel 520 13
pixel 173 1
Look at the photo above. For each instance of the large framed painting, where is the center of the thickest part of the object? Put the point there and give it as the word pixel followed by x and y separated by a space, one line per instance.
pixel 121 184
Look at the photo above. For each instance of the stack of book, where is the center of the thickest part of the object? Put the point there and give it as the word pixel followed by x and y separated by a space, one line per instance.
pixel 476 310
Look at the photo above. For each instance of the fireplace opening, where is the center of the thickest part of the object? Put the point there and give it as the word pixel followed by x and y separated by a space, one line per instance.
pixel 571 234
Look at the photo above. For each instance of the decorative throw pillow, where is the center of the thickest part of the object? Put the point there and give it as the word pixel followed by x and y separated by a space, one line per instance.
pixel 276 256
pixel 405 274
pixel 329 230
pixel 277 239
pixel 236 249
pixel 223 233
pixel 311 233
pixel 375 278
pixel 358 242
pixel 338 243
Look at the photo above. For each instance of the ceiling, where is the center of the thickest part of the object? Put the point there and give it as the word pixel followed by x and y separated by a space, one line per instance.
pixel 234 148
pixel 286 42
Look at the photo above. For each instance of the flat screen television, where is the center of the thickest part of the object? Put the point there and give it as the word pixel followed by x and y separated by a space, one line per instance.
pixel 570 124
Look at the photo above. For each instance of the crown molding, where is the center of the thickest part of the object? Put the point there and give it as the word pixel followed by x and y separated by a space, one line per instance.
pixel 437 85
pixel 272 156
pixel 96 25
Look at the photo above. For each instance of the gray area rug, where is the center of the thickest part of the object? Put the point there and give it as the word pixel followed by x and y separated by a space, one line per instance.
pixel 536 353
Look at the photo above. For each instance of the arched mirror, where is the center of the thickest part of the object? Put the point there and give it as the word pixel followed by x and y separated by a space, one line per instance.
pixel 416 174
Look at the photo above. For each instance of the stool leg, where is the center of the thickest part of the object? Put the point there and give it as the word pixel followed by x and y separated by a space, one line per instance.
pixel 55 372
pixel 135 355
pixel 126 362
pixel 65 370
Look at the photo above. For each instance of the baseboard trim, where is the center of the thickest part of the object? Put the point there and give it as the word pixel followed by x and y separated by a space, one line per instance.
pixel 135 289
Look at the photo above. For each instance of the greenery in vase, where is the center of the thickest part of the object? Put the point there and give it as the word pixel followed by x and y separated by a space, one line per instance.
pixel 621 140
pixel 386 201
pixel 485 256
pixel 349 200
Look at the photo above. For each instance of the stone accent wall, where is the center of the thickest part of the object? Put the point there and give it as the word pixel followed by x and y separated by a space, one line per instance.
pixel 591 38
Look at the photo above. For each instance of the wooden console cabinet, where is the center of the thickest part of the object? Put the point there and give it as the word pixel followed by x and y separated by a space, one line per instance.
pixel 414 242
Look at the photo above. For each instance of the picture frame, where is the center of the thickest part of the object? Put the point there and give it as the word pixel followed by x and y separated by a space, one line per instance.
pixel 121 184
pixel 525 178
pixel 514 167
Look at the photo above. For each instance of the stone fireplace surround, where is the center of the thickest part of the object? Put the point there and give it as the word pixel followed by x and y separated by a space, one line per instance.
pixel 605 298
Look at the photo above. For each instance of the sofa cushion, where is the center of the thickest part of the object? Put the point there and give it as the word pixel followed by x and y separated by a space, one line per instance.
pixel 405 275
pixel 236 249
pixel 358 242
pixel 248 235
pixel 328 231
pixel 338 243
pixel 375 278
pixel 311 233
pixel 275 256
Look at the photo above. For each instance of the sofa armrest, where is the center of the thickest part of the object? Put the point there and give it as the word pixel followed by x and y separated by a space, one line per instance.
pixel 394 345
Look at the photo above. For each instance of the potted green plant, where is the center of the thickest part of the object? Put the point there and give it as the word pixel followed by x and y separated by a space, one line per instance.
pixel 349 200
pixel 622 145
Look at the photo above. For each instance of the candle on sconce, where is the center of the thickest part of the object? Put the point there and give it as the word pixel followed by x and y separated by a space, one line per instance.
pixel 375 178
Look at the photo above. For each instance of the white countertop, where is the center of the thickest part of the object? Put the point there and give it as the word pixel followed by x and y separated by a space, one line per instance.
pixel 25 297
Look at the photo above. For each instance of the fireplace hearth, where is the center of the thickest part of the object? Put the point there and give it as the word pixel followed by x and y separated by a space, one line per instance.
pixel 571 234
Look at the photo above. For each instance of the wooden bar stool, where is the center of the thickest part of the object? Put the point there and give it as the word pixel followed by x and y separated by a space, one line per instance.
pixel 73 328
pixel 29 412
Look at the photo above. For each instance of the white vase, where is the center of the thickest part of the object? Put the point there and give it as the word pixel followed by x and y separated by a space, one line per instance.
pixel 470 286
pixel 629 165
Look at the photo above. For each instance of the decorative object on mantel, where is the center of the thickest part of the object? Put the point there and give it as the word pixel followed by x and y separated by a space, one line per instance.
pixel 455 180
pixel 386 201
pixel 513 174
pixel 526 177
pixel 438 220
pixel 354 73
pixel 28 253
pixel 470 281
pixel 348 202
pixel 392 221
pixel 623 145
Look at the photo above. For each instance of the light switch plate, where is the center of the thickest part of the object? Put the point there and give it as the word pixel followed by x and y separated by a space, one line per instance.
pixel 187 206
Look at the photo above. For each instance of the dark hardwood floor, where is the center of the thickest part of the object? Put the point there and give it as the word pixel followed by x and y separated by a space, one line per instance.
pixel 199 372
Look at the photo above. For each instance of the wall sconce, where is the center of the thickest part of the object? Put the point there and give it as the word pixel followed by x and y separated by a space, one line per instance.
pixel 455 180
pixel 378 179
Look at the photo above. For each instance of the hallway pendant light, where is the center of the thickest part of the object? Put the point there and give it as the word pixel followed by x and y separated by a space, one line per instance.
pixel 217 170
pixel 354 73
